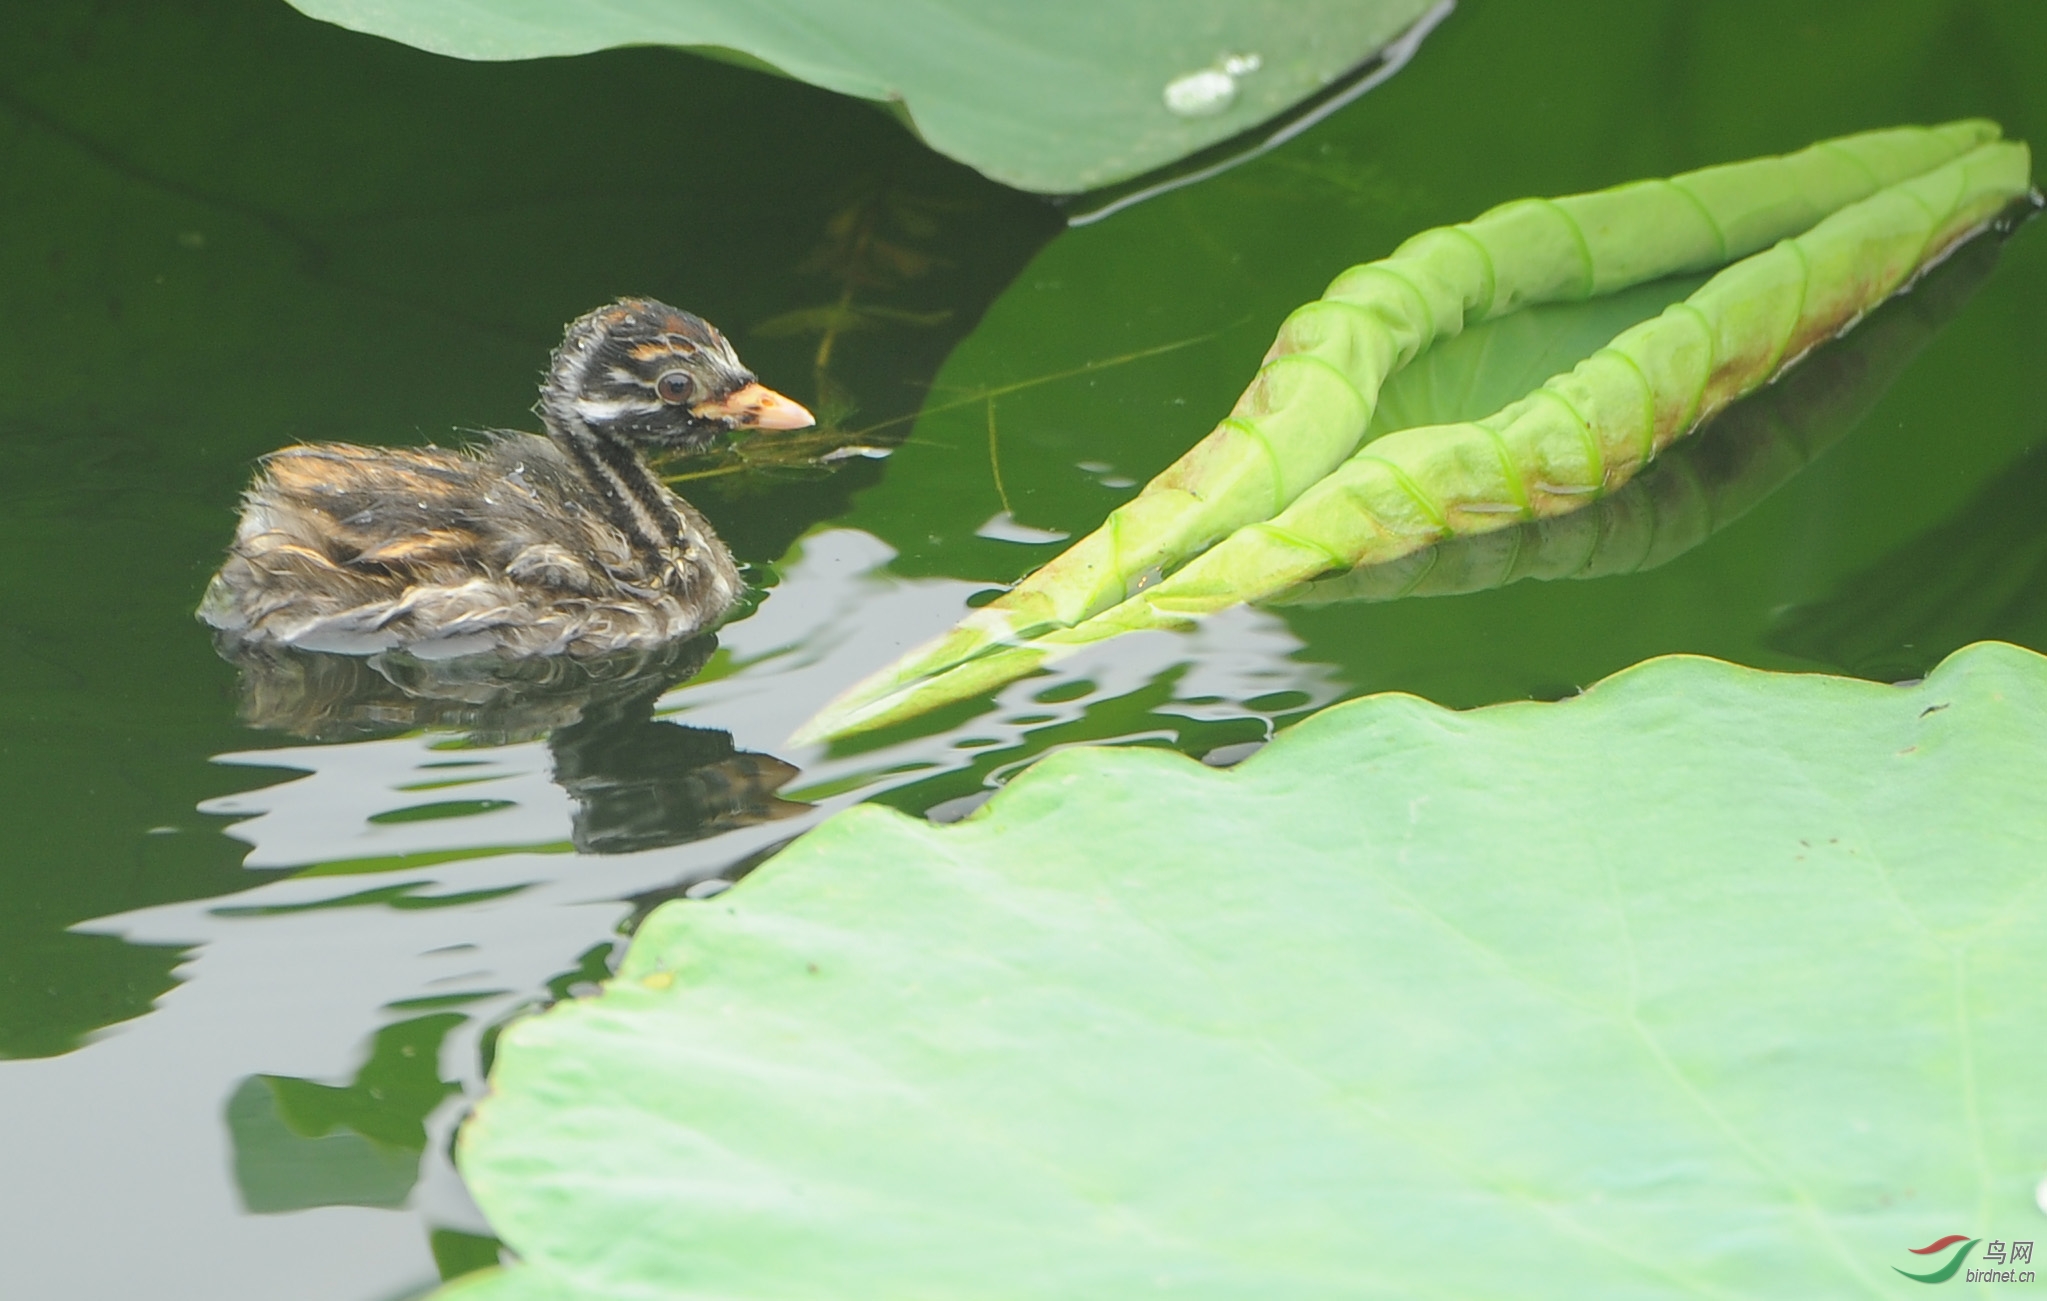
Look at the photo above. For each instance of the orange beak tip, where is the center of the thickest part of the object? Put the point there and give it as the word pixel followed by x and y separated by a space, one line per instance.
pixel 784 413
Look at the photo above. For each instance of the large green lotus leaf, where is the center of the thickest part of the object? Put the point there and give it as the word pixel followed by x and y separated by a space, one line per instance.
pixel 1707 982
pixel 1056 97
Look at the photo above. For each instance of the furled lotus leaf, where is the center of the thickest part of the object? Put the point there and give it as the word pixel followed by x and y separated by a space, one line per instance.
pixel 1275 507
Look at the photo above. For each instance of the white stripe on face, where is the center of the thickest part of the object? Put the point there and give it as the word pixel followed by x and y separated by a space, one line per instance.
pixel 603 411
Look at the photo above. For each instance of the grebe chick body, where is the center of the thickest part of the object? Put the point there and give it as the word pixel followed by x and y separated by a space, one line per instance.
pixel 520 545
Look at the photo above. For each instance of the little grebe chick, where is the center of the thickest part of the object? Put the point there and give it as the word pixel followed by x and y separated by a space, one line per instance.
pixel 521 545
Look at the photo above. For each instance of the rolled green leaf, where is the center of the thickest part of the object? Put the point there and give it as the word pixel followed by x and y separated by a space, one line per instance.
pixel 1587 432
pixel 1579 436
pixel 1700 486
pixel 1315 393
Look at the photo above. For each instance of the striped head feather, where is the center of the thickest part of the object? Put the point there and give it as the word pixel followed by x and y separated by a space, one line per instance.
pixel 655 376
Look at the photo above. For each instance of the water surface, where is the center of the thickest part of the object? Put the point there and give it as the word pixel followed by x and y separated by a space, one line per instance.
pixel 249 978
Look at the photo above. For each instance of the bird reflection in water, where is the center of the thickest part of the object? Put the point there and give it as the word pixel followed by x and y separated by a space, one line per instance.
pixel 638 782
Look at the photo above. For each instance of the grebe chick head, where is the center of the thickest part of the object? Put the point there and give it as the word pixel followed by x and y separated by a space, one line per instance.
pixel 658 379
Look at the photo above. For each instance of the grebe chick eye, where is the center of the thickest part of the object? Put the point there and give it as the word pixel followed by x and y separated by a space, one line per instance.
pixel 675 386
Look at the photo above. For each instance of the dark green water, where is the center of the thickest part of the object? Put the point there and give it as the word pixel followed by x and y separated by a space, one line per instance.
pixel 247 978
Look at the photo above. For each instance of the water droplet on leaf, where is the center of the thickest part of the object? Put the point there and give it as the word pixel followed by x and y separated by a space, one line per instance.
pixel 1201 94
pixel 1210 90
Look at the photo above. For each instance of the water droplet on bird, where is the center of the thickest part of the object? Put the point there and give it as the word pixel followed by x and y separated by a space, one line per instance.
pixel 1209 90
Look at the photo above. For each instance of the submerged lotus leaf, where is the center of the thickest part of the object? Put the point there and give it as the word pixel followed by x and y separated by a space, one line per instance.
pixel 1055 97
pixel 1707 982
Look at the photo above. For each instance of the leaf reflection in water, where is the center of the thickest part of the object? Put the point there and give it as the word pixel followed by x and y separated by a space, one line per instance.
pixel 300 1143
pixel 1981 573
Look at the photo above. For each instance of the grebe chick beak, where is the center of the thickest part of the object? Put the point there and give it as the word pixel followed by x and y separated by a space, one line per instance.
pixel 756 406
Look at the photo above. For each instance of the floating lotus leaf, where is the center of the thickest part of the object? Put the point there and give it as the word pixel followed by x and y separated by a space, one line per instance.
pixel 1707 982
pixel 1055 97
